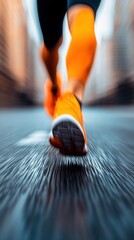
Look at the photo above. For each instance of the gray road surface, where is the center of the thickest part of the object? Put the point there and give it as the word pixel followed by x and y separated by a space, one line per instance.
pixel 48 196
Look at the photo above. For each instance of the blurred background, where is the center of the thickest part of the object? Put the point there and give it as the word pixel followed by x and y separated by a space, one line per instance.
pixel 43 194
pixel 22 73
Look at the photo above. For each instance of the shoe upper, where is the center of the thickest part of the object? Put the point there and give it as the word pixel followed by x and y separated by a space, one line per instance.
pixel 68 104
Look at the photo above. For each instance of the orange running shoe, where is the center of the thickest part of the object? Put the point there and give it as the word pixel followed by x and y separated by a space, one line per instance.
pixel 68 133
pixel 51 94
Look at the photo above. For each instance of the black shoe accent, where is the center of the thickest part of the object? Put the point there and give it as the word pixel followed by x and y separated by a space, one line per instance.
pixel 80 102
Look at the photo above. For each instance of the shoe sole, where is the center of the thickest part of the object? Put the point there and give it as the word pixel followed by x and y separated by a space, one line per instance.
pixel 70 136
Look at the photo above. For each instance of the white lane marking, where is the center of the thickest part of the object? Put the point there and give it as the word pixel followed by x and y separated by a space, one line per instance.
pixel 33 139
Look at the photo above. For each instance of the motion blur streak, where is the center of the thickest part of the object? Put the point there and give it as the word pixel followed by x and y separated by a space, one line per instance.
pixel 45 195
pixel 22 74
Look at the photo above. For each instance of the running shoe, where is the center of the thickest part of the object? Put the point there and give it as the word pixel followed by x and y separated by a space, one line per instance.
pixel 68 133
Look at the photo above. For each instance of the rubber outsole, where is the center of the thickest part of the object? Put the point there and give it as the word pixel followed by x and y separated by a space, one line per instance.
pixel 69 138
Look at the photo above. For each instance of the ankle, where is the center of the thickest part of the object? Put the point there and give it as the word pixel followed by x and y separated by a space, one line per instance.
pixel 56 82
pixel 56 78
pixel 77 88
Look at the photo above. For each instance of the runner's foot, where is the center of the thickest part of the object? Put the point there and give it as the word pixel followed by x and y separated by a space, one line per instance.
pixel 68 133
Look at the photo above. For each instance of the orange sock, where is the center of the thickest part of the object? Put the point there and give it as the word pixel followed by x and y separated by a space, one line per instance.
pixel 82 47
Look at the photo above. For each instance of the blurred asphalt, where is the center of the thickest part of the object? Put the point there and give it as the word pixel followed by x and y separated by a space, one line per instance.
pixel 47 196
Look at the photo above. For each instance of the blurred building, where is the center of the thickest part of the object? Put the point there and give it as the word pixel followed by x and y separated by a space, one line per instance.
pixel 112 78
pixel 21 72
pixel 123 51
pixel 101 80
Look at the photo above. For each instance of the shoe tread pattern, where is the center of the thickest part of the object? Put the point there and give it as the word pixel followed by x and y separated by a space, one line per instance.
pixel 70 136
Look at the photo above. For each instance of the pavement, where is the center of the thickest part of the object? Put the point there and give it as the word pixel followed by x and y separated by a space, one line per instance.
pixel 47 196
